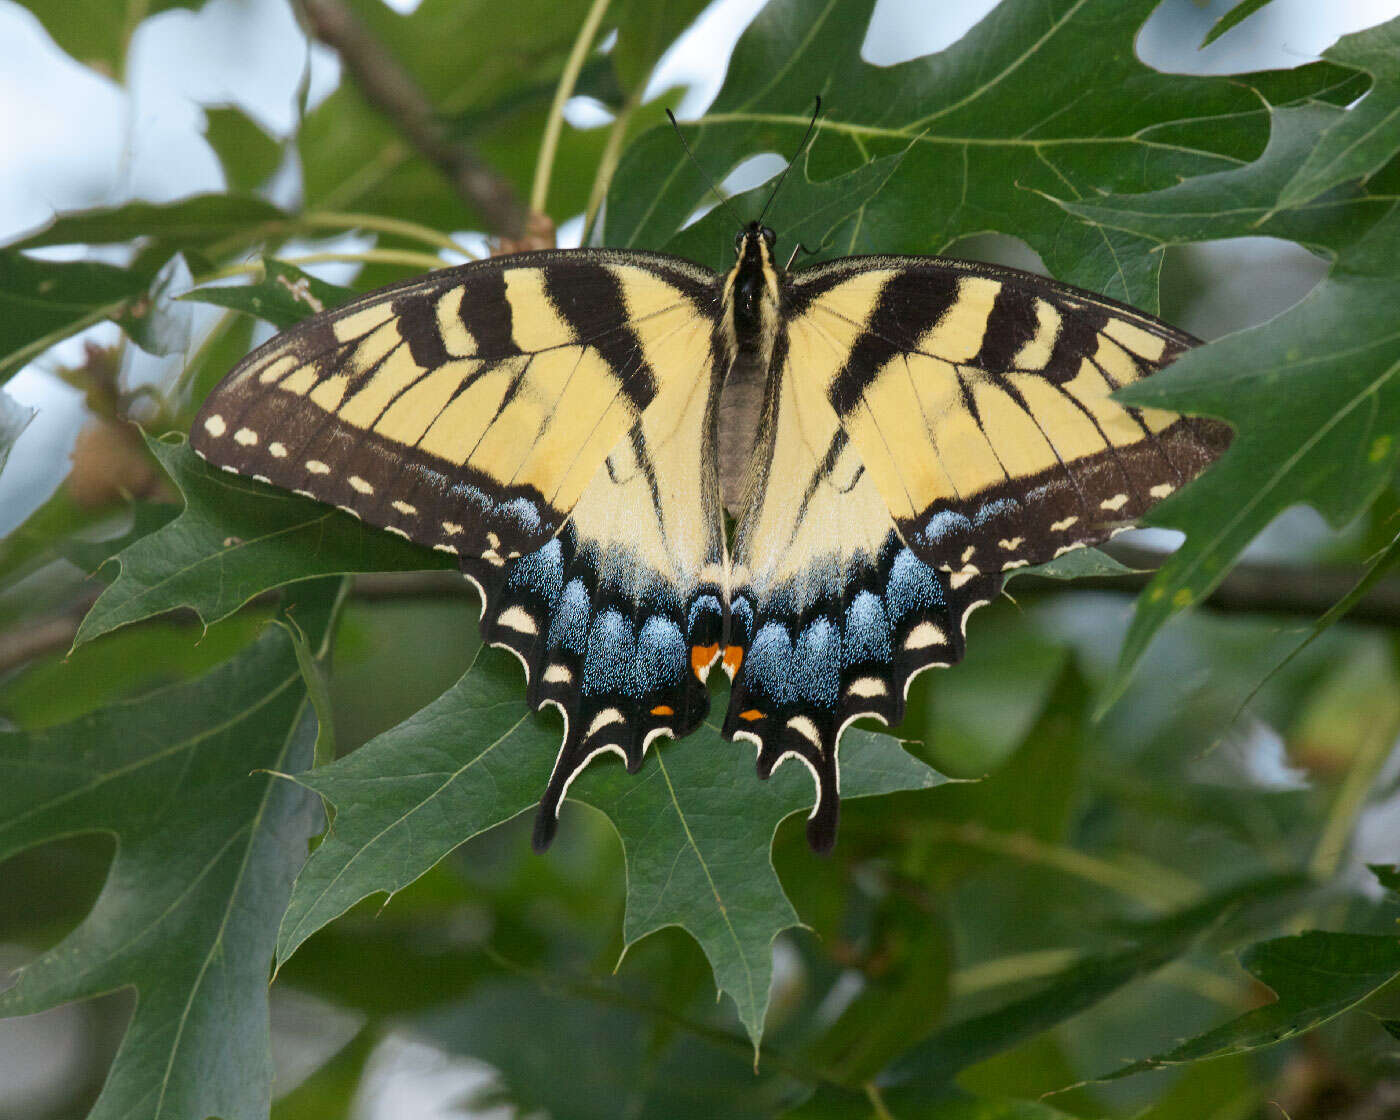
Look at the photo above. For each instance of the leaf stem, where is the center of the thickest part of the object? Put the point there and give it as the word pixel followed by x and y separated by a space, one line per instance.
pixel 405 257
pixel 332 219
pixel 877 1102
pixel 549 144
pixel 1370 756
pixel 1157 887
pixel 608 161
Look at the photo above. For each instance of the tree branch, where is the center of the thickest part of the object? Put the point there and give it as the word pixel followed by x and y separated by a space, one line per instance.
pixel 391 89
pixel 1250 588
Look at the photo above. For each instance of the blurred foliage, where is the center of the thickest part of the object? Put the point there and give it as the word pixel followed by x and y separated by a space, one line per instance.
pixel 1139 889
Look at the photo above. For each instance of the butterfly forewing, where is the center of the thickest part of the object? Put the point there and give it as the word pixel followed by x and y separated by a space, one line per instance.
pixel 979 400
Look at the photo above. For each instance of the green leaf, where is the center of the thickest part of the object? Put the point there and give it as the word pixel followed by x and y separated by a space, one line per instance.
pixel 1387 875
pixel 14 418
pixel 236 539
pixel 205 854
pixel 823 216
pixel 187 223
pixel 1038 101
pixel 695 825
pixel 1082 563
pixel 1315 419
pixel 248 154
pixel 1316 976
pixel 284 295
pixel 1368 134
pixel 154 322
pixel 91 555
pixel 1231 19
pixel 469 58
pixel 42 302
pixel 96 32
pixel 830 1103
pixel 602 1061
pixel 937 1059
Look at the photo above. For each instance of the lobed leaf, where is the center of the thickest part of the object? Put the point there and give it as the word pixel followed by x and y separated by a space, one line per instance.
pixel 234 540
pixel 1315 975
pixel 206 850
pixel 695 825
pixel 1315 420
pixel 1038 101
pixel 283 295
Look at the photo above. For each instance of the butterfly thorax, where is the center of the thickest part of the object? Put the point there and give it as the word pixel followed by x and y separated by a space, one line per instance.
pixel 750 329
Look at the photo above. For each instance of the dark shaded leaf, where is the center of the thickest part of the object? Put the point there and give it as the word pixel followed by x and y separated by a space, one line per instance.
pixel 248 154
pixel 284 295
pixel 953 1048
pixel 205 857
pixel 602 1061
pixel 1388 875
pixel 696 825
pixel 42 302
pixel 830 1103
pixel 187 223
pixel 1316 976
pixel 236 539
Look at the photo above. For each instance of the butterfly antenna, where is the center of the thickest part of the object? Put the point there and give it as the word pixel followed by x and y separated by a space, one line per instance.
pixel 816 113
pixel 723 200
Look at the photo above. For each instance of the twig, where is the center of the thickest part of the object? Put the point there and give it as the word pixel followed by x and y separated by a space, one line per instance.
pixel 549 143
pixel 391 89
pixel 1249 588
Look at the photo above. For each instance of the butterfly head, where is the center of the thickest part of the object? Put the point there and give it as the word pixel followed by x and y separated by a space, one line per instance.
pixel 755 239
pixel 754 284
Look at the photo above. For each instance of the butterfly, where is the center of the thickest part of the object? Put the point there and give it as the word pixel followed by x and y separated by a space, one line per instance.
pixel 891 435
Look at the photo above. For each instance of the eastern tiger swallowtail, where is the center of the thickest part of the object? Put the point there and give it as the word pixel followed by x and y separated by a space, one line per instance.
pixel 891 434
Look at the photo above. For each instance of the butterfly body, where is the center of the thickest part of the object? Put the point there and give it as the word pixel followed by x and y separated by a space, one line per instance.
pixel 890 435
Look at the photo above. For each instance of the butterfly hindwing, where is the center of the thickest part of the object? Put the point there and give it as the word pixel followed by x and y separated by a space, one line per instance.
pixel 979 401
pixel 831 614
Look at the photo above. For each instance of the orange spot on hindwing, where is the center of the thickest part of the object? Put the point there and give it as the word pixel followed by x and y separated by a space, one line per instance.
pixel 751 715
pixel 733 658
pixel 701 658
pixel 663 710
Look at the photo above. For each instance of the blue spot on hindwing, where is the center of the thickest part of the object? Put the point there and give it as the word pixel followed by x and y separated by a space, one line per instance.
pixel 768 665
pixel 541 572
pixel 612 647
pixel 912 586
pixel 661 656
pixel 943 526
pixel 816 664
pixel 569 627
pixel 867 635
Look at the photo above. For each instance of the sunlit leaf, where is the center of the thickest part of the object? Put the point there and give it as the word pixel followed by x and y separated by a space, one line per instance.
pixel 236 539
